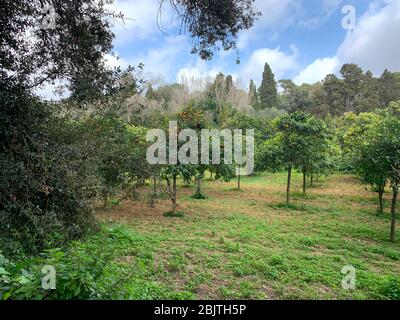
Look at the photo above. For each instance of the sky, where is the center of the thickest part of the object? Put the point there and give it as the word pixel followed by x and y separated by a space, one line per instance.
pixel 302 40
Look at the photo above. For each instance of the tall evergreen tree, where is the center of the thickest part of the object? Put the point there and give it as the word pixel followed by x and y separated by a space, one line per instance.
pixel 228 84
pixel 390 87
pixel 267 92
pixel 217 89
pixel 333 93
pixel 368 99
pixel 352 85
pixel 319 106
pixel 150 93
pixel 295 98
pixel 253 95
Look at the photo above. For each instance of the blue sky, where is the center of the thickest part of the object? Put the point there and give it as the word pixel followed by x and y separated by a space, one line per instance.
pixel 302 40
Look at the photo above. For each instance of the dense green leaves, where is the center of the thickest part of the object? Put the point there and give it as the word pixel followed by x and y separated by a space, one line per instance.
pixel 45 182
pixel 372 144
pixel 301 142
pixel 267 91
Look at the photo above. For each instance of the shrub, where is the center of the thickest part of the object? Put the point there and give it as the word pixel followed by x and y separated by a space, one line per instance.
pixel 171 214
pixel 80 269
pixel 45 182
pixel 391 289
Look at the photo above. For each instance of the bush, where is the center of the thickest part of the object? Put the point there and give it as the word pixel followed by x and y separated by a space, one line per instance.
pixel 45 183
pixel 171 214
pixel 391 289
pixel 75 274
pixel 80 269
pixel 198 196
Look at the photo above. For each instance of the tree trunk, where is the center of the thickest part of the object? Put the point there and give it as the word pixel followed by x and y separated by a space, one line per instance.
pixel 172 193
pixel 154 185
pixel 289 179
pixel 304 181
pixel 168 186
pixel 393 211
pixel 174 204
pixel 238 181
pixel 105 200
pixel 198 185
pixel 312 179
pixel 211 175
pixel 381 190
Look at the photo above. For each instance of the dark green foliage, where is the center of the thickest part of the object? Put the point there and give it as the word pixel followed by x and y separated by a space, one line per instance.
pixel 214 22
pixel 45 181
pixel 56 53
pixel 253 95
pixel 352 85
pixel 267 91
pixel 150 94
pixel 228 84
pixel 301 142
pixel 295 98
pixel 196 119
pixel 56 159
pixel 356 92
pixel 389 84
pixel 84 270
pixel 263 130
pixel 118 153
pixel 333 96
pixel 198 196
pixel 218 99
pixel 52 166
pixel 369 98
pixel 392 288
pixel 165 94
pixel 372 144
pixel 174 214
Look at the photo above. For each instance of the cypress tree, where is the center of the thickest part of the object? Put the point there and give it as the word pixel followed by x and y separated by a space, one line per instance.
pixel 253 96
pixel 267 91
pixel 390 87
pixel 228 84
pixel 151 94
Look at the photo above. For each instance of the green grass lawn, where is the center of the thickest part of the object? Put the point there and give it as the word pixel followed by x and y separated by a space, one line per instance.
pixel 250 245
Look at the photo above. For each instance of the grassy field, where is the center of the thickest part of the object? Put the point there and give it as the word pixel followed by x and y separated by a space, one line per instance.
pixel 250 245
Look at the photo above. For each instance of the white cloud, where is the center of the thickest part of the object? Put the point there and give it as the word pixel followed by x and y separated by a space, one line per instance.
pixel 140 19
pixel 317 70
pixel 115 60
pixel 200 73
pixel 276 15
pixel 197 75
pixel 320 14
pixel 162 61
pixel 374 44
pixel 53 91
pixel 281 63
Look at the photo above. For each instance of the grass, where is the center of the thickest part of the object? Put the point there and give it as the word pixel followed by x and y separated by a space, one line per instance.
pixel 176 214
pixel 250 245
